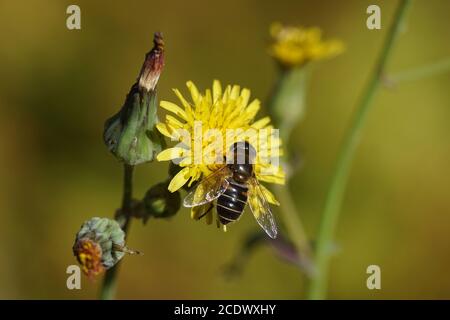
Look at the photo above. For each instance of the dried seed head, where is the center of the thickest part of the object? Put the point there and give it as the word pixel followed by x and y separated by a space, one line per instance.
pixel 96 245
pixel 89 255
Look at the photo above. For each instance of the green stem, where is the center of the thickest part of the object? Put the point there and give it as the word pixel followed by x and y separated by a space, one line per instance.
pixel 108 290
pixel 294 226
pixel 287 106
pixel 339 178
pixel 287 103
pixel 433 69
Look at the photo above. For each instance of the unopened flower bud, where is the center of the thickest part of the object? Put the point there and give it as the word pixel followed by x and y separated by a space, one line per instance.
pixel 131 134
pixel 99 245
pixel 160 202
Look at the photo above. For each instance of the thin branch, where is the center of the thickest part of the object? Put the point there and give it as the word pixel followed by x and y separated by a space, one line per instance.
pixel 108 290
pixel 335 194
pixel 429 70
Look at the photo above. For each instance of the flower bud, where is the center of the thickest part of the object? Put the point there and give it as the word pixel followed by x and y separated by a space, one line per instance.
pixel 159 202
pixel 99 245
pixel 131 134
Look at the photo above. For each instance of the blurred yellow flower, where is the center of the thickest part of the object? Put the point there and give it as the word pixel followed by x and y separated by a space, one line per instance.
pixel 294 46
pixel 219 110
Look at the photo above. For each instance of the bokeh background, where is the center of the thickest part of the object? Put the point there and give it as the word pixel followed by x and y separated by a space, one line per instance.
pixel 58 86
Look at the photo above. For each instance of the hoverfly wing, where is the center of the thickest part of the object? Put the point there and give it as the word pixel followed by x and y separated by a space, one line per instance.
pixel 208 189
pixel 261 209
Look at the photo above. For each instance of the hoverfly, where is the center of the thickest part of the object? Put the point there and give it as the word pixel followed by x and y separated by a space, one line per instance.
pixel 233 186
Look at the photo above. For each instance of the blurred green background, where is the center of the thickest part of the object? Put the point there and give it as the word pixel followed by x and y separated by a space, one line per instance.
pixel 58 87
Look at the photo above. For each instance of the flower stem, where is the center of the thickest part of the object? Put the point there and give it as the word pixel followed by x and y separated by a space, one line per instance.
pixel 429 70
pixel 333 201
pixel 109 286
pixel 287 106
pixel 292 221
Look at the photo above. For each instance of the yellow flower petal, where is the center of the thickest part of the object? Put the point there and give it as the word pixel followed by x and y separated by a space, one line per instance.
pixel 271 179
pixel 172 107
pixel 269 196
pixel 170 154
pixel 195 212
pixel 186 161
pixel 173 122
pixel 245 95
pixel 217 90
pixel 226 94
pixel 209 217
pixel 181 98
pixel 199 212
pixel 235 92
pixel 195 174
pixel 270 173
pixel 194 91
pixel 261 123
pixel 208 97
pixel 163 129
pixel 179 180
pixel 252 109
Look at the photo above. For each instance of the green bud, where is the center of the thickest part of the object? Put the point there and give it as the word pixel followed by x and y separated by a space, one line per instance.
pixel 160 202
pixel 99 245
pixel 131 134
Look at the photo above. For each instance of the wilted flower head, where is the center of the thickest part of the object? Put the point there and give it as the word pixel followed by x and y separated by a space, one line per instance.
pixel 99 245
pixel 153 64
pixel 217 111
pixel 294 46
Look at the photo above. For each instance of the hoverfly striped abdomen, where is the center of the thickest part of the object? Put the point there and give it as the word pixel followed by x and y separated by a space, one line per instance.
pixel 231 203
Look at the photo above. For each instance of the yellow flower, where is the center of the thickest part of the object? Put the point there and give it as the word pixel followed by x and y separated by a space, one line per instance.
pixel 294 46
pixel 221 111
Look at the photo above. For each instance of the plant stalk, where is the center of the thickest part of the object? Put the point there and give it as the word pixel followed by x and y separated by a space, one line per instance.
pixel 108 290
pixel 294 227
pixel 333 201
pixel 287 107
pixel 418 73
